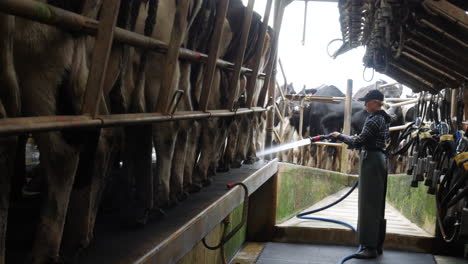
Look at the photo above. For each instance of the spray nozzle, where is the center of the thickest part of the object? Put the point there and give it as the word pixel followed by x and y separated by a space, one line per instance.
pixel 319 138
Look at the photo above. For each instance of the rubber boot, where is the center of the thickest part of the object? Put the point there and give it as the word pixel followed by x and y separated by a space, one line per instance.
pixel 382 232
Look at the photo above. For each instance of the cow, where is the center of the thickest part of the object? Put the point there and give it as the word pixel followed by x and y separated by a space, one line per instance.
pixel 54 84
pixel 10 106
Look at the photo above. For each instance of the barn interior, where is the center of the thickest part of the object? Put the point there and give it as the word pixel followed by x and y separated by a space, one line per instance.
pixel 159 131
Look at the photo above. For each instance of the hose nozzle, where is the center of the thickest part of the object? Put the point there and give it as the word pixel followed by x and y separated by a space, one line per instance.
pixel 319 138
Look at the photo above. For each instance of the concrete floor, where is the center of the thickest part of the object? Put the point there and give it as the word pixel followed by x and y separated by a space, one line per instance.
pixel 288 253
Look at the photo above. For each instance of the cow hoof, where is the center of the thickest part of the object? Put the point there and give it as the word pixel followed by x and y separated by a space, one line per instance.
pixel 236 164
pixel 183 196
pixel 142 219
pixel 194 188
pixel 156 214
pixel 251 160
pixel 207 182
pixel 223 169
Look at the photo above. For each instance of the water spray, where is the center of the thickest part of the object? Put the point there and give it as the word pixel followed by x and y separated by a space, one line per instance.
pixel 296 144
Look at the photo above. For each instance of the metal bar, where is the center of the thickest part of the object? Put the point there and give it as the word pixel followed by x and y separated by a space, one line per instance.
pixel 339 145
pixel 398 128
pixel 168 83
pixel 101 52
pixel 234 82
pixel 67 20
pixel 305 23
pixel 278 112
pixel 21 125
pixel 283 72
pixel 251 82
pixel 213 54
pixel 280 90
pixel 414 101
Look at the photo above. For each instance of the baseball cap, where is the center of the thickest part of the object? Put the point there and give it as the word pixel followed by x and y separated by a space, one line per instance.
pixel 372 95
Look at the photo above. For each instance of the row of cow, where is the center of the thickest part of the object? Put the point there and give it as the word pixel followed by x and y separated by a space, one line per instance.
pixel 321 118
pixel 44 72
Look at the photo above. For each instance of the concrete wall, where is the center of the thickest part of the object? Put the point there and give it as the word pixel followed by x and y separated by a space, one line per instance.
pixel 414 203
pixel 200 254
pixel 300 187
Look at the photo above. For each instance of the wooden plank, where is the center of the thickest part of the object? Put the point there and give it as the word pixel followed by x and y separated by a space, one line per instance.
pixel 168 83
pixel 213 54
pixel 101 51
pixel 252 81
pixel 234 82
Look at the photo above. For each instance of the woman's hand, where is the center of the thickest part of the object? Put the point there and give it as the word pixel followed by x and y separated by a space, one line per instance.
pixel 335 134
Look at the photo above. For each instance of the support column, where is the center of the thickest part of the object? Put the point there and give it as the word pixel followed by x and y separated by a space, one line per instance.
pixel 347 125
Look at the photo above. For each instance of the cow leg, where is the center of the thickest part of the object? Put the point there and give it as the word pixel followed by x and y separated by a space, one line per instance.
pixel 207 151
pixel 177 170
pixel 7 154
pixel 220 144
pixel 137 164
pixel 85 198
pixel 242 141
pixel 253 137
pixel 60 161
pixel 231 145
pixel 164 138
pixel 191 158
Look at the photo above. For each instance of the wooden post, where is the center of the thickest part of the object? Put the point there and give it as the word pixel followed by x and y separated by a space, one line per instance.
pixel 251 82
pixel 213 54
pixel 301 118
pixel 261 218
pixel 278 18
pixel 283 72
pixel 177 37
pixel 99 61
pixel 234 87
pixel 347 125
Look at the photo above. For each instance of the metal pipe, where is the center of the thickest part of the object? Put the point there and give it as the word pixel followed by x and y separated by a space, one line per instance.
pixel 20 125
pixel 305 23
pixel 67 20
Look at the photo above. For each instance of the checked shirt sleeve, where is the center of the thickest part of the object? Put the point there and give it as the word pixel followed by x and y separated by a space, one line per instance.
pixel 370 130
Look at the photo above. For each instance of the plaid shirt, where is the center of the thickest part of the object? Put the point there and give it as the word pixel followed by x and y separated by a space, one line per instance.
pixel 374 135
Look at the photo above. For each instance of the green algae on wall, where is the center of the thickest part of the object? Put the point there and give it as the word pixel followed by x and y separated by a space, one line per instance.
pixel 300 187
pixel 414 203
pixel 200 254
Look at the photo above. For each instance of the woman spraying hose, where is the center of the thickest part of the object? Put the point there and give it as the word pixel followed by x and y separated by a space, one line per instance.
pixel 372 175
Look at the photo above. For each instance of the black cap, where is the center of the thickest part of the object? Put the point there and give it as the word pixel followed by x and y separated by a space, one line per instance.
pixel 372 95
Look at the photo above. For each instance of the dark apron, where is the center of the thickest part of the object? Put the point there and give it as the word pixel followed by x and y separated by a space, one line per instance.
pixel 372 191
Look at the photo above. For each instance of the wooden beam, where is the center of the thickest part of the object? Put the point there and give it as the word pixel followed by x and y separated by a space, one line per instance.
pixel 301 118
pixel 347 125
pixel 234 82
pixel 168 83
pixel 252 81
pixel 99 61
pixel 213 54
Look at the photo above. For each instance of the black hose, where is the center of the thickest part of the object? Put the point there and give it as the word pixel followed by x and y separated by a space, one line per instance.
pixel 303 215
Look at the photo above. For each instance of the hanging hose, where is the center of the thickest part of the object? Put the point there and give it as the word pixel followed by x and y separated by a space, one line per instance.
pixel 227 236
pixel 303 215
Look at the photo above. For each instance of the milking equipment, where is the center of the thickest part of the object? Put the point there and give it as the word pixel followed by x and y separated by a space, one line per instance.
pixel 438 156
